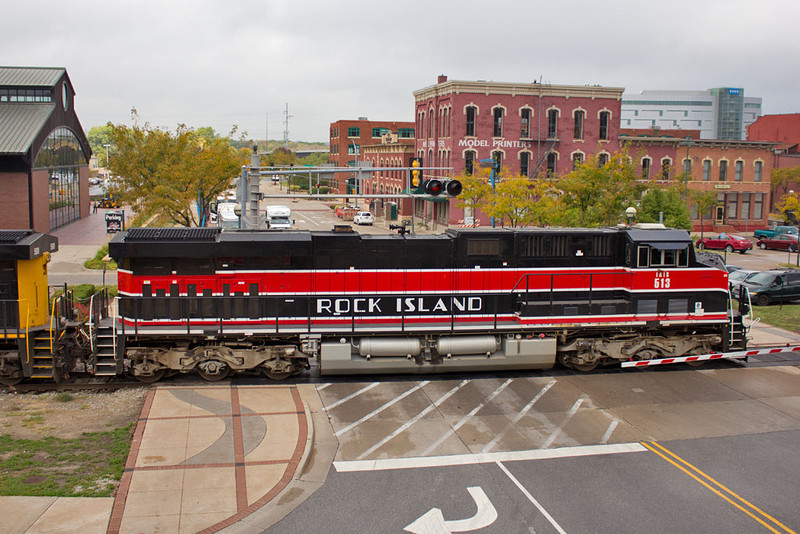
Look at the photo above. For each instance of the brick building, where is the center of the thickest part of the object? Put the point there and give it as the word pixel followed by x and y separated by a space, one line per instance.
pixel 737 171
pixel 44 152
pixel 784 130
pixel 391 152
pixel 347 137
pixel 531 128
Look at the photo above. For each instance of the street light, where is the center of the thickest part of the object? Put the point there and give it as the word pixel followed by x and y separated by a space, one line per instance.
pixel 108 172
pixel 630 213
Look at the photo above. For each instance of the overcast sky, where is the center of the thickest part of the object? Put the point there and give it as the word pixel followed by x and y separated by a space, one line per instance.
pixel 239 62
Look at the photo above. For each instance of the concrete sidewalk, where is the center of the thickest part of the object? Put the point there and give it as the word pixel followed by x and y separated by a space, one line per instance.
pixel 203 459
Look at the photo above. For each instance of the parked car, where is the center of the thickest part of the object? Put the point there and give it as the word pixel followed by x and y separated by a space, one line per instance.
pixel 731 268
pixel 711 259
pixel 773 286
pixel 775 231
pixel 726 242
pixel 736 278
pixel 363 217
pixel 779 242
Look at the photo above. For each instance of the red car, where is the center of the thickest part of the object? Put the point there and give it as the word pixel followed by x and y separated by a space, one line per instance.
pixel 726 242
pixel 779 242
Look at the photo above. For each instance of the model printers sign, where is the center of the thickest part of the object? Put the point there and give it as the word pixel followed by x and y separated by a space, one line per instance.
pixel 494 143
pixel 115 221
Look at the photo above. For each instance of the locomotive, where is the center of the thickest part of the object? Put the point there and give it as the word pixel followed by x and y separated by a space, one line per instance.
pixel 220 301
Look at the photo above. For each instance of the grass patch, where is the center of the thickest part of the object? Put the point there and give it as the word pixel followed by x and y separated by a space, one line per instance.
pixel 89 466
pixel 98 263
pixel 786 316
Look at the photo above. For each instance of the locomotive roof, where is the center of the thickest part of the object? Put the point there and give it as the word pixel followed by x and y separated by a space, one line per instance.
pixel 25 244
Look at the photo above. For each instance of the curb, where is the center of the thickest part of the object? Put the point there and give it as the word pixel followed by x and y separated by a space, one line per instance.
pixel 309 448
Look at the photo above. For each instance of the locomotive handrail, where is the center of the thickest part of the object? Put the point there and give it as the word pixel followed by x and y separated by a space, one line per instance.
pixel 9 311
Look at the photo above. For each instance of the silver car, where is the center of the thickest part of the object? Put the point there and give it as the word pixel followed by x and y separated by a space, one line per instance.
pixel 736 278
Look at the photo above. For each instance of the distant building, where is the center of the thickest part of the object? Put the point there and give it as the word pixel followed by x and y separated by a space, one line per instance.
pixel 391 152
pixel 347 137
pixel 738 172
pixel 44 152
pixel 784 130
pixel 720 113
pixel 530 128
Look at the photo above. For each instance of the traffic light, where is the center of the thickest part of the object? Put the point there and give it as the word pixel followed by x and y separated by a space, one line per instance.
pixel 437 187
pixel 416 173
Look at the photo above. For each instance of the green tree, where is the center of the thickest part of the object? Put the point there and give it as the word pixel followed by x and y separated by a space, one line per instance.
pixel 546 208
pixel 784 177
pixel 476 193
pixel 668 202
pixel 316 159
pixel 99 136
pixel 512 200
pixel 176 175
pixel 597 195
pixel 703 201
pixel 280 156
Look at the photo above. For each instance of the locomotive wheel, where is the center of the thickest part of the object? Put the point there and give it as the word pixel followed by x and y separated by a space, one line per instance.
pixel 150 377
pixel 11 373
pixel 213 370
pixel 276 375
pixel 695 364
pixel 585 367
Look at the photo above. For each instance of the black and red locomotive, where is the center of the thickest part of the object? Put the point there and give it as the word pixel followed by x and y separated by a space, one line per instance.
pixel 227 301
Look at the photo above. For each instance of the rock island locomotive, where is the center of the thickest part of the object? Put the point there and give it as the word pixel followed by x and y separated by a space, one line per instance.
pixel 220 302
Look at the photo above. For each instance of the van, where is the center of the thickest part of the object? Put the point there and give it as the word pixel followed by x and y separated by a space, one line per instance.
pixel 226 215
pixel 773 286
pixel 279 218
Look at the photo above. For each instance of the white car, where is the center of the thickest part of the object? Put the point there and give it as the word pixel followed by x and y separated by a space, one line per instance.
pixel 363 217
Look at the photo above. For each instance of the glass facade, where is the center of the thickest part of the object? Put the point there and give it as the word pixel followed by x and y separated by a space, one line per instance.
pixel 730 105
pixel 62 156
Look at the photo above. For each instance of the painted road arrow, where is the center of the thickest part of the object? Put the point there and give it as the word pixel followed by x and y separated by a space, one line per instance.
pixel 433 522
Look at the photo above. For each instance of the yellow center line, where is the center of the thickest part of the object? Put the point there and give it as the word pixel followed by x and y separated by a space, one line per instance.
pixel 657 448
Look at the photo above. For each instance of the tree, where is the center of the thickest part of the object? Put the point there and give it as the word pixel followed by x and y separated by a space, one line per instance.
pixel 597 195
pixel 176 175
pixel 99 136
pixel 280 156
pixel 784 177
pixel 668 202
pixel 546 208
pixel 703 201
pixel 789 207
pixel 476 193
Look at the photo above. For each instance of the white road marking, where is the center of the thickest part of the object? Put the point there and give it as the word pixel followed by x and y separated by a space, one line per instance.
pixel 386 464
pixel 433 522
pixel 531 498
pixel 379 410
pixel 466 418
pixel 410 422
pixel 572 411
pixel 351 396
pixel 609 431
pixel 323 386
pixel 489 446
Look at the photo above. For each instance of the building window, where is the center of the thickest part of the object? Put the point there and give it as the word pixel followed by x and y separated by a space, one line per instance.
pixel 354 131
pixel 706 170
pixel 687 167
pixel 723 170
pixel 378 132
pixel 577 159
pixel 525 130
pixel 758 206
pixel 646 168
pixel 745 206
pixel 602 159
pixel 758 170
pixel 577 132
pixel 552 123
pixel 353 148
pixel 665 169
pixel 498 158
pixel 406 133
pixel 13 94
pixel 551 164
pixel 471 113
pixel 605 118
pixel 469 162
pixel 524 160
pixel 430 123
pixel 498 122
pixel 733 202
pixel 738 170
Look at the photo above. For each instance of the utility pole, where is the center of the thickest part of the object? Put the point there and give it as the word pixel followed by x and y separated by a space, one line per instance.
pixel 286 127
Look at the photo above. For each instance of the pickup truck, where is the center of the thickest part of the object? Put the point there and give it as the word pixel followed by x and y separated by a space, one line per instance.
pixel 772 232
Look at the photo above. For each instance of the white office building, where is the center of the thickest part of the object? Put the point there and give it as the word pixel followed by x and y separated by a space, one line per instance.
pixel 720 113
